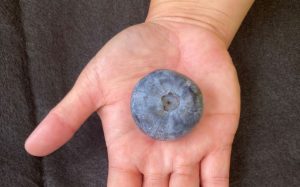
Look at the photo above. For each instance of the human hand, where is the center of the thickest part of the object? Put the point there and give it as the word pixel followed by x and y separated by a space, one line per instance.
pixel 105 86
pixel 190 37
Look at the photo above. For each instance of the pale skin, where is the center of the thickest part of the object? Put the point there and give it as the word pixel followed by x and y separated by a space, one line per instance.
pixel 184 44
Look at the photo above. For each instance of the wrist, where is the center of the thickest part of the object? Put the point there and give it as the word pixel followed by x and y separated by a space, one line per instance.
pixel 223 17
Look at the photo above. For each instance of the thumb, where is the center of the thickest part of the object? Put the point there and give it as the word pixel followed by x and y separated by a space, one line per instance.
pixel 66 117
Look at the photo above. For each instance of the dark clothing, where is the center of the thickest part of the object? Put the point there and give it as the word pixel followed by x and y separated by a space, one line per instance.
pixel 45 44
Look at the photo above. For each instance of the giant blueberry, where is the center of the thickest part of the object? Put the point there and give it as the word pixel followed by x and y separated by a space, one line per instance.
pixel 166 105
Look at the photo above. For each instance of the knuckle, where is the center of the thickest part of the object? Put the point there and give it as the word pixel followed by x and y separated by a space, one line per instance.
pixel 113 168
pixel 62 121
pixel 154 177
pixel 183 170
pixel 216 181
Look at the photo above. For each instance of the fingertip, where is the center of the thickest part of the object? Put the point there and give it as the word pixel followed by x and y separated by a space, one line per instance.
pixel 34 147
pixel 49 135
pixel 27 147
pixel 30 149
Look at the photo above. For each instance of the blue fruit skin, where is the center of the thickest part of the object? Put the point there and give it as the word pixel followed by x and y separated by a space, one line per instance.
pixel 166 105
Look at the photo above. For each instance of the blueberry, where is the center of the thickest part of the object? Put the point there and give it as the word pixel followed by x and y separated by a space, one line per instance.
pixel 166 105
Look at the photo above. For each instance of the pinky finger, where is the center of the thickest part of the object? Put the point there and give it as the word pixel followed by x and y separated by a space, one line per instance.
pixel 215 168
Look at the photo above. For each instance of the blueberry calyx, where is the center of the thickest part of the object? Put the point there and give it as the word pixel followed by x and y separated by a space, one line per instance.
pixel 170 101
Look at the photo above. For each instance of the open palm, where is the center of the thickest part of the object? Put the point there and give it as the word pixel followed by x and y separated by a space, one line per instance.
pixel 105 85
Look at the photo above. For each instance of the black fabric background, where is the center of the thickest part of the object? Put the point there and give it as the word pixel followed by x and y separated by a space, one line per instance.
pixel 45 44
